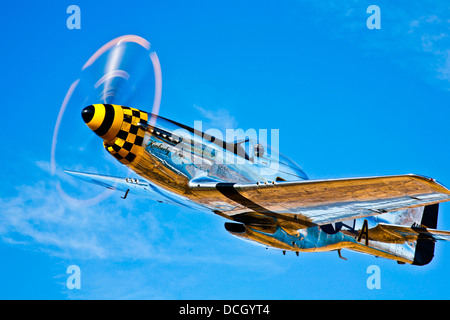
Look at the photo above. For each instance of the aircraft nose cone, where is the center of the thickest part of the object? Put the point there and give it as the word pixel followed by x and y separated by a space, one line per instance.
pixel 104 119
pixel 88 113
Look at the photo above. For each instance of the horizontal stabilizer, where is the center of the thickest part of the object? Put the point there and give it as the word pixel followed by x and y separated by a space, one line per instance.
pixel 397 233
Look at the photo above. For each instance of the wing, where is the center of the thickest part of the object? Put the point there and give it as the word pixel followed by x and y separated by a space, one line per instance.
pixel 130 186
pixel 320 202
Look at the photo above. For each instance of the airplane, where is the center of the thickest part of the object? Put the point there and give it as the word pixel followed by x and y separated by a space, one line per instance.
pixel 268 198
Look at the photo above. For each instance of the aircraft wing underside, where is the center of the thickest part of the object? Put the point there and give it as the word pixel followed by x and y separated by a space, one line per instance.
pixel 132 186
pixel 319 202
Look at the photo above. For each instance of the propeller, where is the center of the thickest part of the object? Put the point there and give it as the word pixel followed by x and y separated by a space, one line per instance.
pixel 124 71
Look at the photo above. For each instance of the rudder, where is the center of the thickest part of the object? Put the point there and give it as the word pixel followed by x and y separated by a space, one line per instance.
pixel 424 252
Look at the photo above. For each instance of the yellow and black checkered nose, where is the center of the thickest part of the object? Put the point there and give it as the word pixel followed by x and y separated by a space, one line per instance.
pixel 104 119
pixel 121 128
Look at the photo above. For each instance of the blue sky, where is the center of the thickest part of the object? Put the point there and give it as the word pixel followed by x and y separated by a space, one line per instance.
pixel 348 102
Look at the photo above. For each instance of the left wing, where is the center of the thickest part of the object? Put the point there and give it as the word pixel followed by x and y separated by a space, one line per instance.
pixel 320 202
pixel 129 186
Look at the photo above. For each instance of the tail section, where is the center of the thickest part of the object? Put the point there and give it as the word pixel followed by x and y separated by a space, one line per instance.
pixel 414 237
pixel 408 236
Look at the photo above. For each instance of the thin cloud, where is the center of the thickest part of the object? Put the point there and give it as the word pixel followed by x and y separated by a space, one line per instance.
pixel 217 118
pixel 412 35
pixel 116 229
pixel 39 218
pixel 124 248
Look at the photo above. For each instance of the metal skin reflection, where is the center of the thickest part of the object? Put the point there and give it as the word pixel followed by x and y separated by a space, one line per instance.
pixel 268 198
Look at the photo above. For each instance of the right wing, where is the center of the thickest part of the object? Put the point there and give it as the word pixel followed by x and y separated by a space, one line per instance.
pixel 320 202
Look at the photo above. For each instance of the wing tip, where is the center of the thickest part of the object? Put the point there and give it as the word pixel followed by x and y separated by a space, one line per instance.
pixel 431 181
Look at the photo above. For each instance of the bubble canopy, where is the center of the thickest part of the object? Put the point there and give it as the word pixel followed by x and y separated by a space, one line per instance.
pixel 251 148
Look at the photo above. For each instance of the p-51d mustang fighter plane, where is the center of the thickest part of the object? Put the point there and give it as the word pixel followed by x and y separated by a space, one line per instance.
pixel 268 199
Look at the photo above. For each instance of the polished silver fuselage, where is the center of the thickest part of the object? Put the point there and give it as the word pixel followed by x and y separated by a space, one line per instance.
pixel 180 159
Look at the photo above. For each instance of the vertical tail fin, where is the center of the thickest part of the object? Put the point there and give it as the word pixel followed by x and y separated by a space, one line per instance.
pixel 424 252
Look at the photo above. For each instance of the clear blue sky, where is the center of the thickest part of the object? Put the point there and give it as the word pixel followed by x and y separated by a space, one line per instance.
pixel 348 101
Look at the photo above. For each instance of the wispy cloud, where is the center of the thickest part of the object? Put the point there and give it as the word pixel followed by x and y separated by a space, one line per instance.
pixel 217 118
pixel 128 238
pixel 413 35
pixel 40 218
pixel 430 34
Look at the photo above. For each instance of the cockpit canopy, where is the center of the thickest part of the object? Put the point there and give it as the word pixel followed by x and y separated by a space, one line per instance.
pixel 247 148
pixel 257 152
